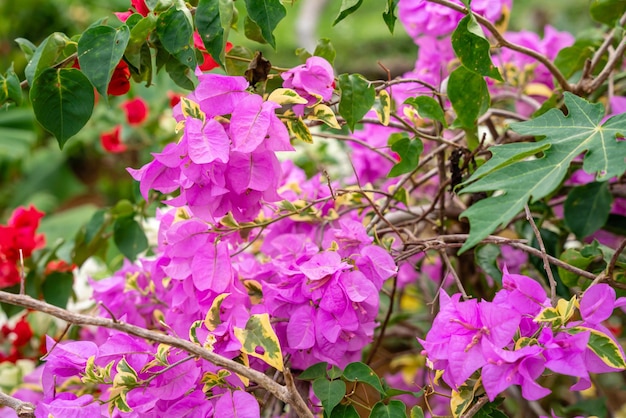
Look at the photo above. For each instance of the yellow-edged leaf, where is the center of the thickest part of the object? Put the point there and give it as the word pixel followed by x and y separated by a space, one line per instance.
pixel 284 96
pixel 324 114
pixel 382 106
pixel 259 333
pixel 191 109
pixel 212 319
pixel 298 128
pixel 603 346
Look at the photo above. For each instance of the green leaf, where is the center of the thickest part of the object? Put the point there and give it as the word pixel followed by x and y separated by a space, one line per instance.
pixel 361 372
pixel 259 333
pixel 129 237
pixel 566 137
pixel 57 288
pixel 326 50
pixel 409 151
pixel 253 31
pixel 27 47
pixel 587 208
pixel 10 89
pixel 347 8
pixel 607 11
pixel 138 35
pixel 357 98
pixel 473 49
pixel 329 392
pixel 469 96
pixel 603 346
pixel 100 49
pixel 416 412
pixel 334 372
pixel 316 371
pixel 235 66
pixel 427 108
pixel 344 411
pixel 175 30
pixel 62 100
pixel 181 74
pixel 266 14
pixel 573 257
pixel 486 256
pixel 395 409
pixel 572 58
pixel 213 19
pixel 46 55
pixel 389 15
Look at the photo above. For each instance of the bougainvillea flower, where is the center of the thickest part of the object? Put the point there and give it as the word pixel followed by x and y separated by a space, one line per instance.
pixel 313 80
pixel 111 141
pixel 119 84
pixel 209 63
pixel 136 110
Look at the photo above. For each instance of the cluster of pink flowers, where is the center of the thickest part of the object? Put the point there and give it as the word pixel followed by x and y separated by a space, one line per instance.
pixel 512 344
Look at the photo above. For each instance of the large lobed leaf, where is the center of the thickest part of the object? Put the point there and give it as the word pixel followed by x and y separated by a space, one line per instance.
pixel 521 180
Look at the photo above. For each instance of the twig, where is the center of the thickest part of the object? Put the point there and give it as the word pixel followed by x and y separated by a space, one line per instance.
pixel 451 270
pixel 614 258
pixel 22 273
pixel 22 409
pixel 281 392
pixel 542 247
pixel 608 68
pixel 476 407
pixel 383 327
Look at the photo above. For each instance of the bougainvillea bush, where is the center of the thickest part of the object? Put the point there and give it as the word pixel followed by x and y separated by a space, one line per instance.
pixel 457 253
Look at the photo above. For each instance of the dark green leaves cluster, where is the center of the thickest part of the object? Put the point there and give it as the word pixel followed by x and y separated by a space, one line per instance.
pixel 331 385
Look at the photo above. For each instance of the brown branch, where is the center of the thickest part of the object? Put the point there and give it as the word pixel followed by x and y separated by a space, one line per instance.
pixel 22 409
pixel 281 392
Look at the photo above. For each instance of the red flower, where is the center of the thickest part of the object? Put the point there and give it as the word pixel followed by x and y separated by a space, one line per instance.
pixel 174 98
pixel 136 110
pixel 18 336
pixel 18 234
pixel 209 63
pixel 58 266
pixel 120 83
pixel 111 141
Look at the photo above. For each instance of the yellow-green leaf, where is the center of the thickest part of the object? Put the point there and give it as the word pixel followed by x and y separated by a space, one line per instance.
pixel 193 332
pixel 191 109
pixel 259 333
pixel 212 319
pixel 284 96
pixel 382 106
pixel 603 346
pixel 549 315
pixel 298 129
pixel 324 114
